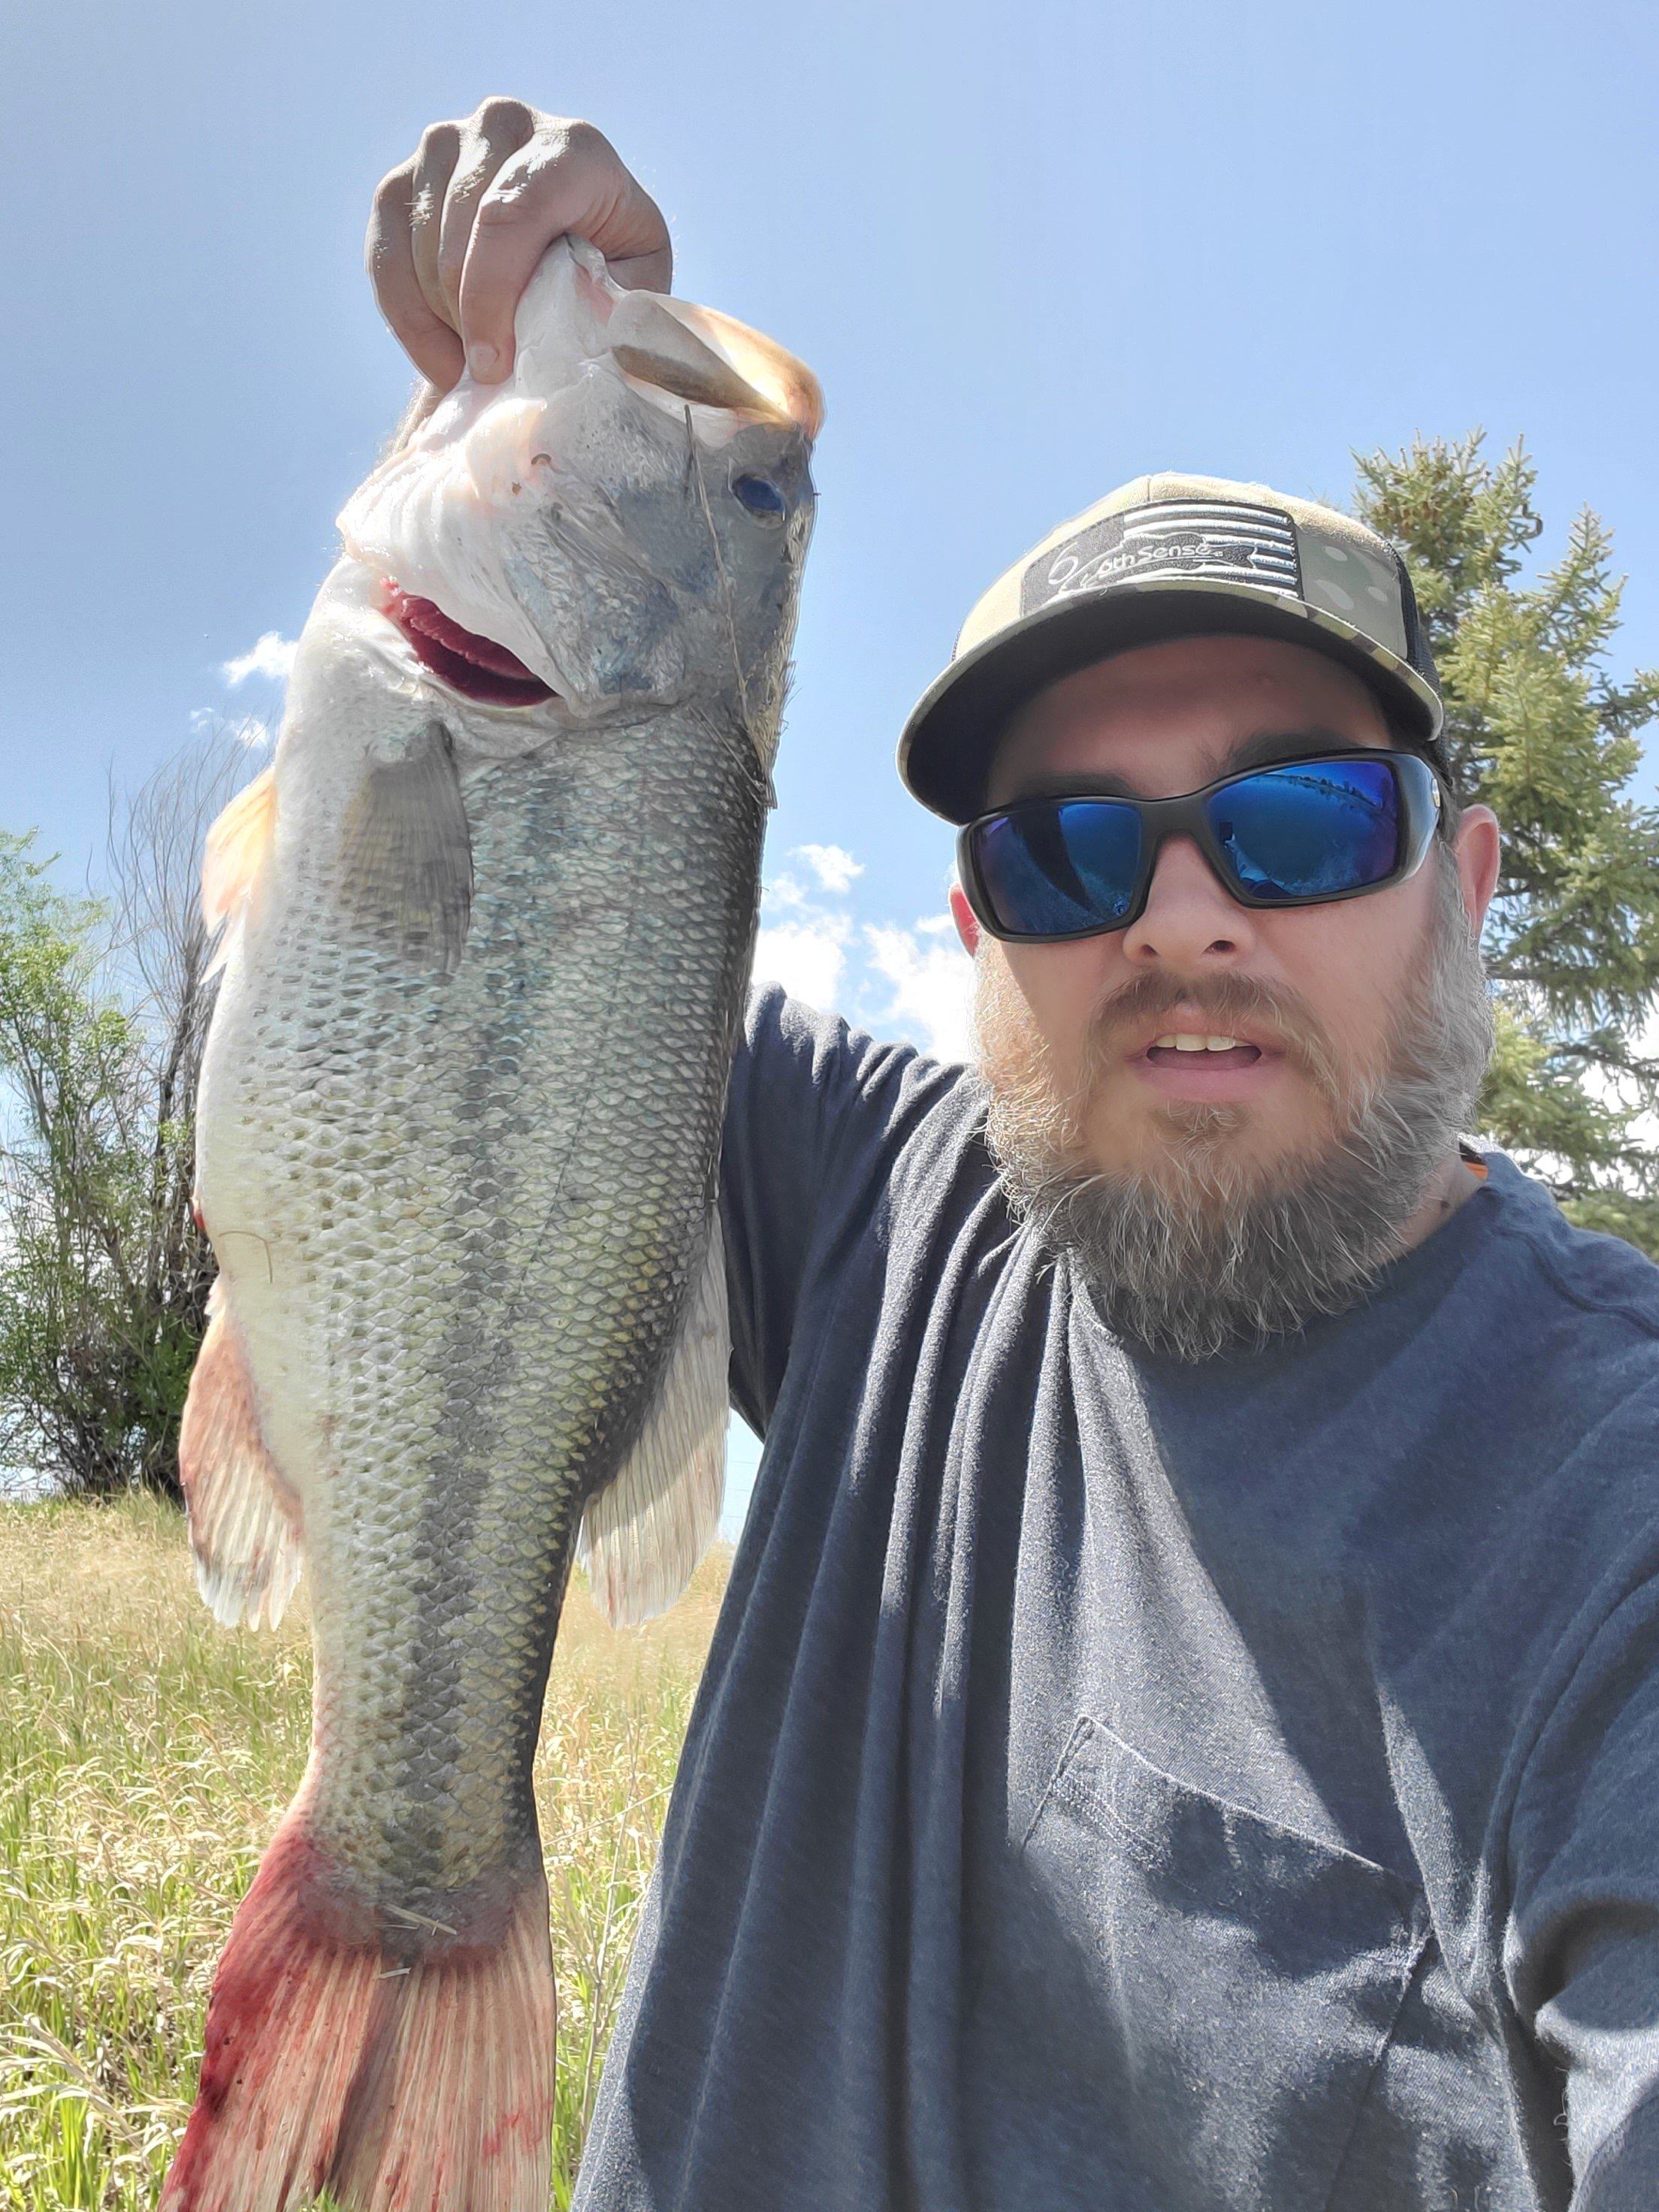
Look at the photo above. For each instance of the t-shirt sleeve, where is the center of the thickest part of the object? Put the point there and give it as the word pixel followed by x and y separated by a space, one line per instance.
pixel 1583 1962
pixel 815 1114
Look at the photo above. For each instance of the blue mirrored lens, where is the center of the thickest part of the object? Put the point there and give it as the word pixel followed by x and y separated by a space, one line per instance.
pixel 1307 831
pixel 1054 871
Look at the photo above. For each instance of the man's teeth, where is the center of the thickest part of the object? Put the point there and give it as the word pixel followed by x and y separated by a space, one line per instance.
pixel 1186 1044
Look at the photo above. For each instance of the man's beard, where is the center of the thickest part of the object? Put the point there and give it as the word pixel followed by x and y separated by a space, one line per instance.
pixel 1206 1251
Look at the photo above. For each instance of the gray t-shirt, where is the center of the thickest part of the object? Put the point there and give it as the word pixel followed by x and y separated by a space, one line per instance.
pixel 1148 1788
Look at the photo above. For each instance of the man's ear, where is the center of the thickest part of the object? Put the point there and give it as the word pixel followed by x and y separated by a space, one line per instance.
pixel 1479 843
pixel 966 920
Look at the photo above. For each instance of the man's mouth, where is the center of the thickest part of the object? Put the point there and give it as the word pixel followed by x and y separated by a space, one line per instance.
pixel 1176 1048
pixel 476 667
pixel 1214 1065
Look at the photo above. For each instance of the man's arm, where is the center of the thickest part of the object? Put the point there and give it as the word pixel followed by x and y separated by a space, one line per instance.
pixel 818 1119
pixel 457 230
pixel 1583 1959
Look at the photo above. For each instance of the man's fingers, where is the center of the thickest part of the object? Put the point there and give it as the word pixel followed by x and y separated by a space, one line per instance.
pixel 567 178
pixel 489 138
pixel 457 230
pixel 434 165
pixel 389 252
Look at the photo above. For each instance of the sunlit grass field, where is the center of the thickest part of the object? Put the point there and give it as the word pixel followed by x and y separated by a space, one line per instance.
pixel 145 1756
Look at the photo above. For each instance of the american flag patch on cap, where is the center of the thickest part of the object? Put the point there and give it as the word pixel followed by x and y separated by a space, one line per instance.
pixel 1168 538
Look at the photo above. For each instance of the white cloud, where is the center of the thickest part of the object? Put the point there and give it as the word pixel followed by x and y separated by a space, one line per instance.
pixel 914 983
pixel 835 870
pixel 803 943
pixel 271 656
pixel 783 891
pixel 930 984
pixel 249 730
pixel 808 958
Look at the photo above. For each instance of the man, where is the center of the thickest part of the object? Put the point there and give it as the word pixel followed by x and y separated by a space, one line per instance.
pixel 1184 1729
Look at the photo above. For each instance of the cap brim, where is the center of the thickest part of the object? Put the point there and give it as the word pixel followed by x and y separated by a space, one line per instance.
pixel 945 753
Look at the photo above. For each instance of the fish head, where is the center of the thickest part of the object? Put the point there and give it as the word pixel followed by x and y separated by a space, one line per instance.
pixel 621 524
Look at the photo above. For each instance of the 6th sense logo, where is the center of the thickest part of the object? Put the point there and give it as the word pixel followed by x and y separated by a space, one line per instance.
pixel 1173 537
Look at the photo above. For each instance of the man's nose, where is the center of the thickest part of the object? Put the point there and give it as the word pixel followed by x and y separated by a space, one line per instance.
pixel 1188 920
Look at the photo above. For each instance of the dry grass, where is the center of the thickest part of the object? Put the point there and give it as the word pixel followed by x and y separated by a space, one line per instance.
pixel 145 1755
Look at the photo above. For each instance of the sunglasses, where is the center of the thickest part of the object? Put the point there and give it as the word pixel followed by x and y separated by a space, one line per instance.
pixel 1301 833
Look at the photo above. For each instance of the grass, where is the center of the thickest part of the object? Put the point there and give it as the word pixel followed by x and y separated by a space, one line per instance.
pixel 145 1756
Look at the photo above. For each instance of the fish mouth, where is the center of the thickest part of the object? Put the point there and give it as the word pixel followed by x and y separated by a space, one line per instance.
pixel 475 666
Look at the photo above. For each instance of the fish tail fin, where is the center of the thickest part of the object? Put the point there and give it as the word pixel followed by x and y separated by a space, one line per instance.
pixel 402 2062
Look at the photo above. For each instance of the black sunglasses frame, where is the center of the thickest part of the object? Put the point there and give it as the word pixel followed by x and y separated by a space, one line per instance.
pixel 1421 804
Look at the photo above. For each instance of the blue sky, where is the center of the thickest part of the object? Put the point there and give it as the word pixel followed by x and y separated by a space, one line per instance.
pixel 1032 250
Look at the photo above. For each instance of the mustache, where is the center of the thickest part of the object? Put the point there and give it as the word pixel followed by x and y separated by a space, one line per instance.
pixel 1231 1001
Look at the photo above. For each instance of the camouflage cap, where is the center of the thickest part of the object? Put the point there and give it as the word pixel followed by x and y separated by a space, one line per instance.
pixel 1169 556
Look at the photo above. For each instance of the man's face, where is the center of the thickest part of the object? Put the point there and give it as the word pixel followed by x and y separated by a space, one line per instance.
pixel 1328 981
pixel 1214 1196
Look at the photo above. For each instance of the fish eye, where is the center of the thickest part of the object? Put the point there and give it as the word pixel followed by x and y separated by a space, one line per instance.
pixel 761 497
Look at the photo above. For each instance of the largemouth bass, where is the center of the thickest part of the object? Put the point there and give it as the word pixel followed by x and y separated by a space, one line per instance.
pixel 490 916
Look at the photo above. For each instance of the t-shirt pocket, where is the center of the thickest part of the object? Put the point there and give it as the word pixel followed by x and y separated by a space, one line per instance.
pixel 1181 2003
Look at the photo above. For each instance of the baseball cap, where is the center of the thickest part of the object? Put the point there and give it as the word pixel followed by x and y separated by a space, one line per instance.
pixel 1169 556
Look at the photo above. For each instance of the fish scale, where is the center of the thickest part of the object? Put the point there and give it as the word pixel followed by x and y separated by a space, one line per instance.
pixel 457 1135
pixel 578 1239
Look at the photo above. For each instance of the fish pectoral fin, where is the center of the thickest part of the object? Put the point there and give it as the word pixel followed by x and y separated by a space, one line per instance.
pixel 244 1519
pixel 406 854
pixel 644 1533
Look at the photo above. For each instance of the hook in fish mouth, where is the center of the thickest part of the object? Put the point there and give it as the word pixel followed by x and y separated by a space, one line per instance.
pixel 475 666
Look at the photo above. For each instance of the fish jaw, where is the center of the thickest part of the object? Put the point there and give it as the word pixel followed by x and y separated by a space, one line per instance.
pixel 435 517
pixel 590 521
pixel 359 681
pixel 430 519
pixel 476 667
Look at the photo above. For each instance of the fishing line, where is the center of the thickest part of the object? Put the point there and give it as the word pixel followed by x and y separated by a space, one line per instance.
pixel 694 459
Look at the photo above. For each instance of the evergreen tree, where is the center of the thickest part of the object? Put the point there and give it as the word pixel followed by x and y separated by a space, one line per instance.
pixel 1539 728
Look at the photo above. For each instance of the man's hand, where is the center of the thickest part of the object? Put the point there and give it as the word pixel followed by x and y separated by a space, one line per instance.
pixel 459 228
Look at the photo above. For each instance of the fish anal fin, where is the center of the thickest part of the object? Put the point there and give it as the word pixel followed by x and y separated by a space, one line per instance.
pixel 403 2063
pixel 644 1533
pixel 244 1519
pixel 406 854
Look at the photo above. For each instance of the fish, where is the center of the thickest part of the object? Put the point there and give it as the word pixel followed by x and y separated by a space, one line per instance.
pixel 487 924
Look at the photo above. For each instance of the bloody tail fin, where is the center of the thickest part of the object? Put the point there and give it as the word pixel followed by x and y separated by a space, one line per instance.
pixel 404 2067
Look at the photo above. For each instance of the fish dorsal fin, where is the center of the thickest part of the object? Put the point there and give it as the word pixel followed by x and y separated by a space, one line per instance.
pixel 644 1533
pixel 244 1520
pixel 236 847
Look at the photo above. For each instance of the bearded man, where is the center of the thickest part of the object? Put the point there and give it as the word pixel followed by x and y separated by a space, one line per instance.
pixel 1183 1732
